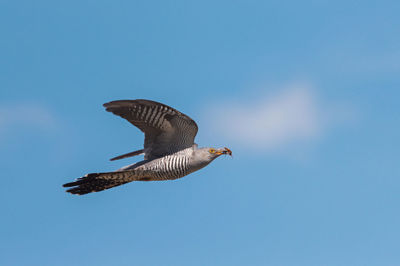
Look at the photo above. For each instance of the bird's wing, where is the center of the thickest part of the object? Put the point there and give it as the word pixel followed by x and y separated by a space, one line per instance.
pixel 126 155
pixel 166 129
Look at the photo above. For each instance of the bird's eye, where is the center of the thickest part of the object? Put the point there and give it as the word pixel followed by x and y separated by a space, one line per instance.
pixel 211 150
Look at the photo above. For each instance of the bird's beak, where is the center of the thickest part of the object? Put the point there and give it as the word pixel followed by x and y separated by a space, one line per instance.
pixel 224 151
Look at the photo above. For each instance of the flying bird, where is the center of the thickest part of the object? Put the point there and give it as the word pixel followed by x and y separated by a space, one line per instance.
pixel 169 149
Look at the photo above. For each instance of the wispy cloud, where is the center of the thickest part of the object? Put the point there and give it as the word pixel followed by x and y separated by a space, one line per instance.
pixel 293 115
pixel 28 115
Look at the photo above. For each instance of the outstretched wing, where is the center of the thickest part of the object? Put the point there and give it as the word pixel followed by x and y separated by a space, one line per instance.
pixel 166 129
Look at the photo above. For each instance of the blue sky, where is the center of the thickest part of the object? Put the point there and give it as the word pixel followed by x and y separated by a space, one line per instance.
pixel 315 175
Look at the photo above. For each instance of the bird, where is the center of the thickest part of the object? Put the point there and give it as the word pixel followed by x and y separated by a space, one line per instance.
pixel 169 148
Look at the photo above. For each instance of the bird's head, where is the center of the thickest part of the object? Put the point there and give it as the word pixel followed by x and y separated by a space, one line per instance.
pixel 212 153
pixel 204 156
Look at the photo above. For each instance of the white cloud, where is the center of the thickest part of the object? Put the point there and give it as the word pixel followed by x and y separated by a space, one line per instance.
pixel 290 117
pixel 31 116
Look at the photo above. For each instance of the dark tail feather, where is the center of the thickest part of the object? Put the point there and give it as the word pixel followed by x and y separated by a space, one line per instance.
pixel 134 153
pixel 97 182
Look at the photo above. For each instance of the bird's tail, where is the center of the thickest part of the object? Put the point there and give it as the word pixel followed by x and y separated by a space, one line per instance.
pixel 100 181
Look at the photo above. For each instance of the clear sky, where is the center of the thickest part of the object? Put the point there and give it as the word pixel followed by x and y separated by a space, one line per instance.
pixel 305 93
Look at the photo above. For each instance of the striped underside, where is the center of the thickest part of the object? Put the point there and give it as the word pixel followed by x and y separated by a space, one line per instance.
pixel 166 168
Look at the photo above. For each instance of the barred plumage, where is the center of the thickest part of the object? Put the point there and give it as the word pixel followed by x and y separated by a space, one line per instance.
pixel 169 148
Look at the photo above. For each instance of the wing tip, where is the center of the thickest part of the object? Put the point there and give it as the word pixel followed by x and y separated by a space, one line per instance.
pixel 127 155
